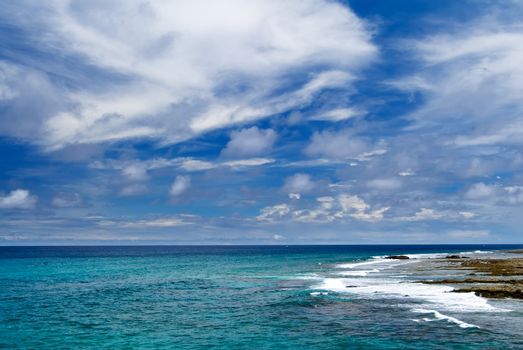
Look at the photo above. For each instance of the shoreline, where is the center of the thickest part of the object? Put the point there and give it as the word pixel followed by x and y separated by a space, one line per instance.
pixel 498 275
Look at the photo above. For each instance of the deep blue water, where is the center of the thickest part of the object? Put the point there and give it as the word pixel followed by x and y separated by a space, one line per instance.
pixel 221 297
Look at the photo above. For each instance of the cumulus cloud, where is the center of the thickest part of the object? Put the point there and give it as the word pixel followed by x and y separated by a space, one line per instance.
pixel 513 195
pixel 327 209
pixel 298 183
pixel 357 208
pixel 135 175
pixel 422 215
pixel 17 199
pixel 336 144
pixel 481 191
pixel 135 172
pixel 507 195
pixel 273 212
pixel 181 184
pixel 28 99
pixel 200 65
pixel 249 142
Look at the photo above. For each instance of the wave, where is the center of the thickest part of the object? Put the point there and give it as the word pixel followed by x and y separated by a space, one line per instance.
pixel 437 295
pixel 358 264
pixel 381 277
pixel 439 316
pixel 478 252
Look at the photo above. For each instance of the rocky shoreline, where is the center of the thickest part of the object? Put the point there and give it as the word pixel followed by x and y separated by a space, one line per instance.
pixel 489 277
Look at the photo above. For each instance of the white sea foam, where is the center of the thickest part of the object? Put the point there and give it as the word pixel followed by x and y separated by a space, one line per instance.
pixel 427 256
pixel 305 277
pixel 357 273
pixel 358 264
pixel 380 277
pixel 478 252
pixel 333 284
pixel 318 293
pixel 439 295
pixel 439 316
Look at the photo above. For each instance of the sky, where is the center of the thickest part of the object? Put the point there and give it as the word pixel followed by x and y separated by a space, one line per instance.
pixel 261 122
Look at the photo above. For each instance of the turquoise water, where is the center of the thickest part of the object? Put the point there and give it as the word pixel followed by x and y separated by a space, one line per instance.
pixel 220 298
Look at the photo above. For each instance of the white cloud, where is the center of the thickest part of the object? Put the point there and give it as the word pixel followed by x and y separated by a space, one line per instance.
pixel 338 114
pixel 481 191
pixel 298 183
pixel 249 142
pixel 328 209
pixel 190 164
pixel 337 145
pixel 186 67
pixel 507 195
pixel 472 82
pixel 294 195
pixel 135 172
pixel 467 214
pixel 407 173
pixel 242 163
pixel 427 214
pixel 181 184
pixel 273 212
pixel 136 168
pixel 357 208
pixel 513 195
pixel 422 215
pixel 17 199
pixel 28 99
pixel 346 207
pixel 237 164
pixel 322 213
pixel 197 165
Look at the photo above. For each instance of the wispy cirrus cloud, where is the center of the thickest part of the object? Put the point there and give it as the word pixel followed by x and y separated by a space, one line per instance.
pixel 198 66
pixel 471 80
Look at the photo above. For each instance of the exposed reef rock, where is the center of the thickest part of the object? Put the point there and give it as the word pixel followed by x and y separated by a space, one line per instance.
pixel 495 267
pixel 397 257
pixel 497 291
pixel 492 278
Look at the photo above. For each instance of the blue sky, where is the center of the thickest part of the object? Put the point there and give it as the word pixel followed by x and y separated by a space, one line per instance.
pixel 261 122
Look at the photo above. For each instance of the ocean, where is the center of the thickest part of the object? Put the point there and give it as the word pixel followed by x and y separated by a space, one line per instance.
pixel 244 297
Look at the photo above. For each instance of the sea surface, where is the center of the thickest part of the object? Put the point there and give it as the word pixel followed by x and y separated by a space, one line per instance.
pixel 243 297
